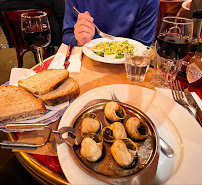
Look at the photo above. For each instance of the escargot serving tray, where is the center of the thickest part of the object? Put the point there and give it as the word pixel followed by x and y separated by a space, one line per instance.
pixel 168 117
pixel 106 168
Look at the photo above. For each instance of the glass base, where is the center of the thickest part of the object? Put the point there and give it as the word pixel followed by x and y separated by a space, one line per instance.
pixel 136 78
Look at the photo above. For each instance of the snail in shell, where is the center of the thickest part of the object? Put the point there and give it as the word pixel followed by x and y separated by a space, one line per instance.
pixel 91 147
pixel 114 131
pixel 124 152
pixel 90 123
pixel 136 128
pixel 114 112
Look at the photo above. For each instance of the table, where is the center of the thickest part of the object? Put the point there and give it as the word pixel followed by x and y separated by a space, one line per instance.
pixel 93 74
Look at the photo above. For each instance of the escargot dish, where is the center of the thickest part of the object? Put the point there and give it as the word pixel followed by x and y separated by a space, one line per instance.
pixel 109 153
pixel 124 152
pixel 115 131
pixel 90 124
pixel 136 129
pixel 114 112
pixel 91 148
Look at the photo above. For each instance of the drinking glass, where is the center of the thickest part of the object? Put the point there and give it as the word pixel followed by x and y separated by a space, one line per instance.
pixel 136 65
pixel 36 32
pixel 172 45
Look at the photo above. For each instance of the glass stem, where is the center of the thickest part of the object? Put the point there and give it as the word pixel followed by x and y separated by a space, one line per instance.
pixel 39 51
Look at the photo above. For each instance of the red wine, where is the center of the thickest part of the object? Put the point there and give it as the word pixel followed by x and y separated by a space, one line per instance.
pixel 172 46
pixel 35 37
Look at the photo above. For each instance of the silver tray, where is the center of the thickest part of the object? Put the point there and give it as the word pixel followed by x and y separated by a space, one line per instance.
pixel 106 169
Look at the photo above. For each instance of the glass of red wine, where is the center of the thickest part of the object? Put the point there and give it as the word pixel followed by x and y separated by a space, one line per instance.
pixel 36 32
pixel 172 45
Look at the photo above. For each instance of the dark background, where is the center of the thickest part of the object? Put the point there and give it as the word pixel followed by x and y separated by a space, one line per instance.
pixel 11 170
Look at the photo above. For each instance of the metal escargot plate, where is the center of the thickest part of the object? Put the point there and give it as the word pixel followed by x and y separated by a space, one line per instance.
pixel 106 169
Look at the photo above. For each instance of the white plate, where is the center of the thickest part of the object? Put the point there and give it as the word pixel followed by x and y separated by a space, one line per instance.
pixel 88 52
pixel 174 124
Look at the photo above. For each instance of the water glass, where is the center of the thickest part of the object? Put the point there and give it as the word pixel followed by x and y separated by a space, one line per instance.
pixel 136 66
pixel 166 70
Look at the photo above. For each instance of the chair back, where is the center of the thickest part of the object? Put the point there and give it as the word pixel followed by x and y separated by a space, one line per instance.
pixel 168 8
pixel 12 20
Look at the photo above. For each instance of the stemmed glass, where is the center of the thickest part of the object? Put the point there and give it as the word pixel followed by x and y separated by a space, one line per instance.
pixel 36 32
pixel 172 45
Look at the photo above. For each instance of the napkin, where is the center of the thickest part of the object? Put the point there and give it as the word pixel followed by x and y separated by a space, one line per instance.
pixel 168 93
pixel 197 99
pixel 165 92
pixel 20 73
pixel 75 60
pixel 59 59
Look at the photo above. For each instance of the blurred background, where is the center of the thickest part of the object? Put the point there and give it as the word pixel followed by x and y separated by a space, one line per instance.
pixel 8 59
pixel 11 170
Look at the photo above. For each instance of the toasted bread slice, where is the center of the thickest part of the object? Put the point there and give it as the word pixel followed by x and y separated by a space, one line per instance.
pixel 44 81
pixel 17 104
pixel 65 92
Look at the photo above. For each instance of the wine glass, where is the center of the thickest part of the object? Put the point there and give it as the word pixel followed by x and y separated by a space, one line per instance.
pixel 36 32
pixel 172 45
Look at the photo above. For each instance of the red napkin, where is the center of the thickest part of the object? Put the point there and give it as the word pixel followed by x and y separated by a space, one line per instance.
pixel 46 64
pixel 184 83
pixel 50 162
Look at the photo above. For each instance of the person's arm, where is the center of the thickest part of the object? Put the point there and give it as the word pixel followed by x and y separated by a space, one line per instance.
pixel 70 18
pixel 77 31
pixel 145 27
pixel 84 29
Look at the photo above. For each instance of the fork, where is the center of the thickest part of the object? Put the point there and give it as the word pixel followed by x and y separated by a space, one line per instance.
pixel 104 35
pixel 178 95
pixel 165 147
pixel 113 96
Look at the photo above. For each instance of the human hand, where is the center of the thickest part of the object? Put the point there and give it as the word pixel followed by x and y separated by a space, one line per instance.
pixel 84 29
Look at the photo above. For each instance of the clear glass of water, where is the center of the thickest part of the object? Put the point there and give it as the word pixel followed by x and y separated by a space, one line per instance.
pixel 136 66
pixel 166 70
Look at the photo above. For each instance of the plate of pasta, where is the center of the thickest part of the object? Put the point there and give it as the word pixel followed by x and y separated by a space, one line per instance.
pixel 112 51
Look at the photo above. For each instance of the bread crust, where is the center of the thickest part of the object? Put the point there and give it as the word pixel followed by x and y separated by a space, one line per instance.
pixel 55 98
pixel 17 104
pixel 44 81
pixel 62 99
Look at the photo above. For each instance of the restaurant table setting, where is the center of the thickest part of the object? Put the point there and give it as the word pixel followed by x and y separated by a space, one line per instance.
pixel 54 150
pixel 165 115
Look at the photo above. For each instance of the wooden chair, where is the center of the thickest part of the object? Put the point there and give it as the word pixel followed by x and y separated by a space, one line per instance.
pixel 12 20
pixel 185 10
pixel 168 8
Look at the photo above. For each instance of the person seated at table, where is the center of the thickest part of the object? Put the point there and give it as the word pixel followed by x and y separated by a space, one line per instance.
pixel 56 18
pixel 135 19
